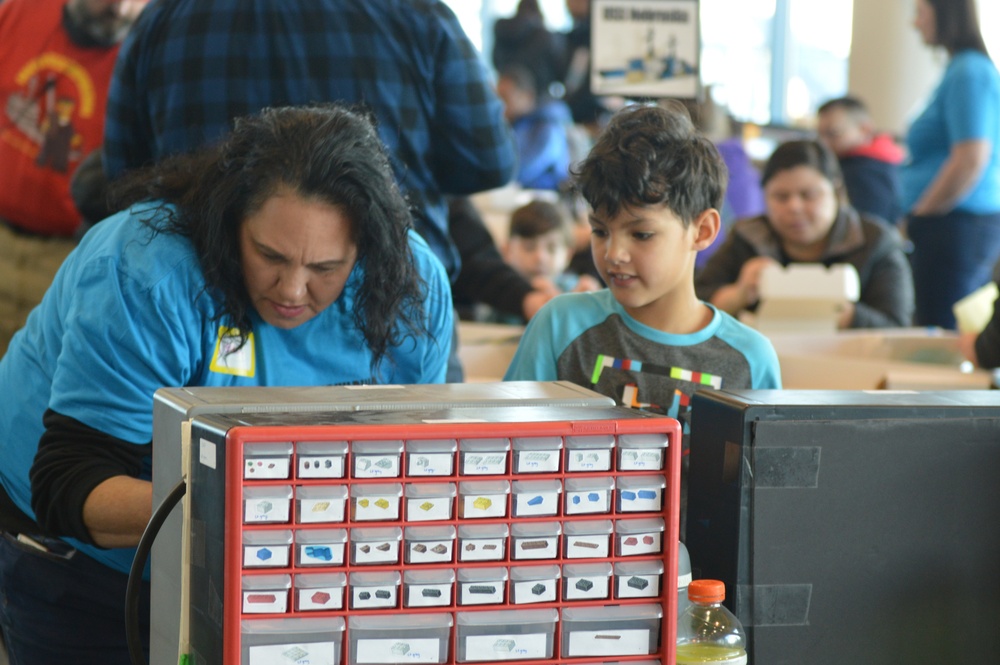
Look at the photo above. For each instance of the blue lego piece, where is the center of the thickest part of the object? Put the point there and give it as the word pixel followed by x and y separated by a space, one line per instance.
pixel 319 552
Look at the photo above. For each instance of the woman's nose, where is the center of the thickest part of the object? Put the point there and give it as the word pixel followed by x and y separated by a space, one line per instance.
pixel 292 285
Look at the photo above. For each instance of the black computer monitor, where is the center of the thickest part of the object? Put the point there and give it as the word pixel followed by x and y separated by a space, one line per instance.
pixel 851 526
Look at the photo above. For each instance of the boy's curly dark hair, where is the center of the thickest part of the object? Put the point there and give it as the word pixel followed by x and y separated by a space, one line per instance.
pixel 651 155
pixel 327 152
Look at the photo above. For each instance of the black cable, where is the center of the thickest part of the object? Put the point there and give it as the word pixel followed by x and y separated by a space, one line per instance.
pixel 132 636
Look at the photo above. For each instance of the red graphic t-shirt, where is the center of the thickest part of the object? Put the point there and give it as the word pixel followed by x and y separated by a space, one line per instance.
pixel 52 99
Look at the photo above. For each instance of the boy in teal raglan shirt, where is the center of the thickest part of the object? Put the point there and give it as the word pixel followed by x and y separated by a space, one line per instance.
pixel 654 187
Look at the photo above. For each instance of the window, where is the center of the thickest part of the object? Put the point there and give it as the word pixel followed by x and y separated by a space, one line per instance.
pixel 477 17
pixel 816 56
pixel 768 61
pixel 774 61
pixel 736 55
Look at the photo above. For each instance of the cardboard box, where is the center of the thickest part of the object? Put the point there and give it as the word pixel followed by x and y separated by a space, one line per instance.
pixel 890 359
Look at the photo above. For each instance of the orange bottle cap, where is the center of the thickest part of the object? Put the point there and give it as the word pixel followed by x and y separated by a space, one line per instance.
pixel 706 591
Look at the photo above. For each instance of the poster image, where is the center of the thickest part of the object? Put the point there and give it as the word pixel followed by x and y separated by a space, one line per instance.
pixel 645 48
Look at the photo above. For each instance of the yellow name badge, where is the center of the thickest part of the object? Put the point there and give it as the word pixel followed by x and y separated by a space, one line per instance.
pixel 227 359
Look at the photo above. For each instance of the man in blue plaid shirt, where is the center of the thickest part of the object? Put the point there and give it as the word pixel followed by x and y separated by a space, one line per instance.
pixel 190 66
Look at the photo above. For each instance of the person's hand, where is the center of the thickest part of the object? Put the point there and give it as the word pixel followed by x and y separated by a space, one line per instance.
pixel 543 290
pixel 846 316
pixel 587 283
pixel 748 283
pixel 967 346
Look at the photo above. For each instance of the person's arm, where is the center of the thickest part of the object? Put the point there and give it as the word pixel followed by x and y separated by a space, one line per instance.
pixel 129 139
pixel 717 282
pixel 85 484
pixel 472 144
pixel 957 177
pixel 122 339
pixel 887 298
pixel 117 511
pixel 987 343
pixel 873 188
pixel 89 188
pixel 485 277
pixel 744 293
pixel 536 299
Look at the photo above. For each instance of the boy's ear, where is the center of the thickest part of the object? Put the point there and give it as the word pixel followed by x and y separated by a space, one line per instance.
pixel 706 228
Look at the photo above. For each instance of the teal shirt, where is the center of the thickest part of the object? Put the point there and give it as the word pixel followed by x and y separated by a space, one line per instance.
pixel 964 107
pixel 128 314
pixel 589 339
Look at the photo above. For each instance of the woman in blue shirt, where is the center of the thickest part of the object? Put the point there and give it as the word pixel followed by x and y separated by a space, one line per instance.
pixel 951 182
pixel 282 256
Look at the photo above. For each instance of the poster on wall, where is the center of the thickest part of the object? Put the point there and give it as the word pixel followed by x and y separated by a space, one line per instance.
pixel 644 48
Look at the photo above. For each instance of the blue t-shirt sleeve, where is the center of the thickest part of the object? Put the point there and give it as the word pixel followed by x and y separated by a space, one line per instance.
pixel 120 344
pixel 536 358
pixel 975 118
pixel 765 370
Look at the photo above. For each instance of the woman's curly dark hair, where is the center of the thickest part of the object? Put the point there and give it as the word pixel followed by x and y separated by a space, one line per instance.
pixel 652 155
pixel 327 152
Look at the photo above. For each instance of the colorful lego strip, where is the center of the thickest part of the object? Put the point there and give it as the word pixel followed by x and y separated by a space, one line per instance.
pixel 676 373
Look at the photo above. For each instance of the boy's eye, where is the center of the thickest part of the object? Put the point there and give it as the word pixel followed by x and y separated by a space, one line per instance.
pixel 642 235
pixel 599 233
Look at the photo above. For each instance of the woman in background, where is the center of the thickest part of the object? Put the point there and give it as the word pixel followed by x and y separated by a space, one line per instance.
pixel 808 220
pixel 951 183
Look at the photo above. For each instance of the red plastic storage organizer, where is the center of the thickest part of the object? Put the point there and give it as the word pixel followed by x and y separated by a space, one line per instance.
pixel 563 497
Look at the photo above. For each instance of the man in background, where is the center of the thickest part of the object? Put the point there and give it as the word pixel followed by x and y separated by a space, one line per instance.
pixel 869 160
pixel 191 66
pixel 56 59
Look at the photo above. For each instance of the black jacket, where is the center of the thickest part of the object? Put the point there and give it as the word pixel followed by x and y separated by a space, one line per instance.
pixel 869 244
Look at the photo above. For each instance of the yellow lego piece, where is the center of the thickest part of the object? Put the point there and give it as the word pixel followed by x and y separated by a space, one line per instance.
pixel 482 503
pixel 363 503
pixel 320 506
pixel 426 505
pixel 382 503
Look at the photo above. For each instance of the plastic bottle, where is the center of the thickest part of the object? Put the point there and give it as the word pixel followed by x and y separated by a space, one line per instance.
pixel 683 578
pixel 707 632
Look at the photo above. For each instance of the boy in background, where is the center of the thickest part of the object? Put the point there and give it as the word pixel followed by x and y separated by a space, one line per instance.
pixel 654 187
pixel 540 244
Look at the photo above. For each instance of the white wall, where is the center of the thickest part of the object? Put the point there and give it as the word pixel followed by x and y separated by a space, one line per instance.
pixel 889 68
